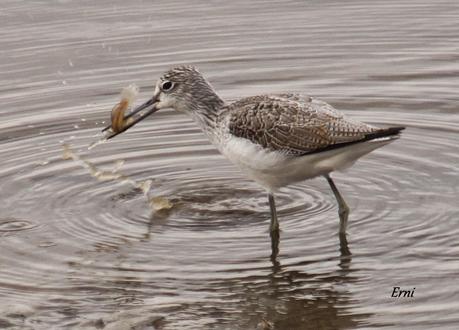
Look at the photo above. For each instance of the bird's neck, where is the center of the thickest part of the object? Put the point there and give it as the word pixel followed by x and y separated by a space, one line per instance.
pixel 206 109
pixel 206 112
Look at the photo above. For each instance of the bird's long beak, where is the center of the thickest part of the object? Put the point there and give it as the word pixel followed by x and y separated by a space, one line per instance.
pixel 135 116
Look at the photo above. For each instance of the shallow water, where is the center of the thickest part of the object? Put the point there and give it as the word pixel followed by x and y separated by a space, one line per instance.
pixel 79 253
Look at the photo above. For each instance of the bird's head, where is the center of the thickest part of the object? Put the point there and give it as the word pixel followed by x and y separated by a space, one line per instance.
pixel 182 88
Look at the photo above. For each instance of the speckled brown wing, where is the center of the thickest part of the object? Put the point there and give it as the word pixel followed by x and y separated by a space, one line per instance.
pixel 293 124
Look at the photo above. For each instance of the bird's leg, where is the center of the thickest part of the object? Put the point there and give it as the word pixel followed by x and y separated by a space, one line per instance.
pixel 344 246
pixel 343 209
pixel 273 229
pixel 274 225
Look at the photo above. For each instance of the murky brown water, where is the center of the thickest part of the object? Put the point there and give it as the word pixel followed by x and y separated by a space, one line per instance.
pixel 78 253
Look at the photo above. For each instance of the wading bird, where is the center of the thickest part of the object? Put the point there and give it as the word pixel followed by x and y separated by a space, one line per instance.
pixel 276 140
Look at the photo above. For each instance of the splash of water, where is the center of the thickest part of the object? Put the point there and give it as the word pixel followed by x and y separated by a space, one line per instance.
pixel 98 142
pixel 156 202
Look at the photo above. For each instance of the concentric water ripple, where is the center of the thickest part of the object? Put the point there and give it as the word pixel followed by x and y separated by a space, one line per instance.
pixel 106 240
pixel 79 253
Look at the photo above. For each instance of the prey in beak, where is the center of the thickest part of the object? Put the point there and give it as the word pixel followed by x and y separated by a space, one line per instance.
pixel 132 118
pixel 169 93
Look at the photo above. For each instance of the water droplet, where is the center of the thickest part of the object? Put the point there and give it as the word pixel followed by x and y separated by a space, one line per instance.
pixel 160 203
pixel 96 143
pixel 43 162
pixel 67 154
pixel 46 244
pixel 145 186
pixel 118 164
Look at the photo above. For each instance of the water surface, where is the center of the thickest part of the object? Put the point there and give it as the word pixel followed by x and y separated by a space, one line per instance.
pixel 83 254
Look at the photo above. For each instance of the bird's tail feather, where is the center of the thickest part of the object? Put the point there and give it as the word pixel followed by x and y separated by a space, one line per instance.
pixel 382 134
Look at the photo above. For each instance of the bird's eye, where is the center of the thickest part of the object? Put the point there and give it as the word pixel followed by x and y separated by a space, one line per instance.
pixel 167 85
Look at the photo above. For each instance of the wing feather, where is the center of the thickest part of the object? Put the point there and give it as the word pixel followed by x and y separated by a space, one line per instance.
pixel 292 123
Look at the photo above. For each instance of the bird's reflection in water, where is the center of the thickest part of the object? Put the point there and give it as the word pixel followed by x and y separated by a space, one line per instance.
pixel 285 297
pixel 292 299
